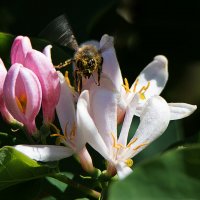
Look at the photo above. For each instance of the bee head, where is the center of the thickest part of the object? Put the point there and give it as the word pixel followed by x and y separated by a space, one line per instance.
pixel 86 64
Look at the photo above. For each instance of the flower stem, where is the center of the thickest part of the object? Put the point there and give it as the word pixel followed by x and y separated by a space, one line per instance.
pixel 64 179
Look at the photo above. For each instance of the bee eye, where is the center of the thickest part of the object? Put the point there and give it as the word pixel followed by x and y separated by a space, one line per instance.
pixel 91 62
pixel 79 64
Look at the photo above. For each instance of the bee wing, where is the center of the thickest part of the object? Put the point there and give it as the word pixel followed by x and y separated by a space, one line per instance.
pixel 106 42
pixel 59 31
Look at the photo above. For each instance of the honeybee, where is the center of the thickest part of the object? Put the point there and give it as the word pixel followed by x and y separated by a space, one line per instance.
pixel 87 58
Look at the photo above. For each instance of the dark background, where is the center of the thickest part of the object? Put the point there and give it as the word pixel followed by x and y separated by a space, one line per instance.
pixel 142 30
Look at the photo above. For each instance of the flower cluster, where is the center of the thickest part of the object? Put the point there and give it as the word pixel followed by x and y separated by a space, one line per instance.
pixel 93 115
pixel 30 82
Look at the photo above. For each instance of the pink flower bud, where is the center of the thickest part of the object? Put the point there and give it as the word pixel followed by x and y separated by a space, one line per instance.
pixel 4 112
pixel 23 95
pixel 19 49
pixel 42 66
pixel 48 77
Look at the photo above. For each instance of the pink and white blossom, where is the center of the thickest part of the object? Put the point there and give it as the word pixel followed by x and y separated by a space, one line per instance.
pixel 23 95
pixel 4 111
pixel 22 52
pixel 150 82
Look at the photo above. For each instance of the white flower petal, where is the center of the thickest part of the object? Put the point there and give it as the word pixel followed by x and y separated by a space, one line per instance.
pixel 86 126
pixel 45 153
pixel 65 108
pixel 110 63
pixel 103 110
pixel 130 112
pixel 156 73
pixel 181 110
pixel 153 122
pixel 123 170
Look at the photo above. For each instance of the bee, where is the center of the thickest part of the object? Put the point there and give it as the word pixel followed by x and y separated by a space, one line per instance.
pixel 87 58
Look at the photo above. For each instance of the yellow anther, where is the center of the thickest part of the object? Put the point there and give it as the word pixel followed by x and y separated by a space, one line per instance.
pixel 141 145
pixel 143 90
pixel 68 81
pixel 135 85
pixel 129 162
pixel 131 142
pixel 126 85
pixel 142 96
pixel 148 84
pixel 73 132
pixel 57 135
pixel 21 102
pixel 115 144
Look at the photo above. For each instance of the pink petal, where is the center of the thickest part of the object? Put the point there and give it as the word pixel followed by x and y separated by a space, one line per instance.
pixel 22 81
pixel 19 49
pixel 4 112
pixel 48 77
pixel 47 51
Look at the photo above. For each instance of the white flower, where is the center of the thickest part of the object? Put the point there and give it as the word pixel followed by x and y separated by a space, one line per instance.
pixel 97 117
pixel 74 143
pixel 151 81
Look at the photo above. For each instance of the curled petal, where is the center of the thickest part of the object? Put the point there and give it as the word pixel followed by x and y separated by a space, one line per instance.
pixel 22 95
pixel 4 111
pixel 47 52
pixel 123 170
pixel 153 122
pixel 19 49
pixel 65 110
pixel 45 153
pixel 110 63
pixel 154 75
pixel 181 110
pixel 130 112
pixel 86 126
pixel 48 77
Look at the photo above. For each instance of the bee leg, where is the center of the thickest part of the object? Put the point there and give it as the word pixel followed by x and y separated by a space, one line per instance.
pixel 66 63
pixel 78 80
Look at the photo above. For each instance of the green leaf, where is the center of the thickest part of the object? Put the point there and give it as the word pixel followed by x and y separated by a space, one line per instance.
pixel 174 175
pixel 5 45
pixel 15 168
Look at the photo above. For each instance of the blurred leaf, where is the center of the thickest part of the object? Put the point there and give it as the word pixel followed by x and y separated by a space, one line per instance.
pixel 5 45
pixel 15 168
pixel 58 184
pixel 174 175
pixel 23 191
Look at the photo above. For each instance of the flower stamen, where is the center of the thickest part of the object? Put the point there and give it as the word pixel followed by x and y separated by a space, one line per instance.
pixel 135 85
pixel 143 90
pixel 129 162
pixel 126 86
pixel 21 102
pixel 68 81
pixel 115 144
pixel 141 145
pixel 131 142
